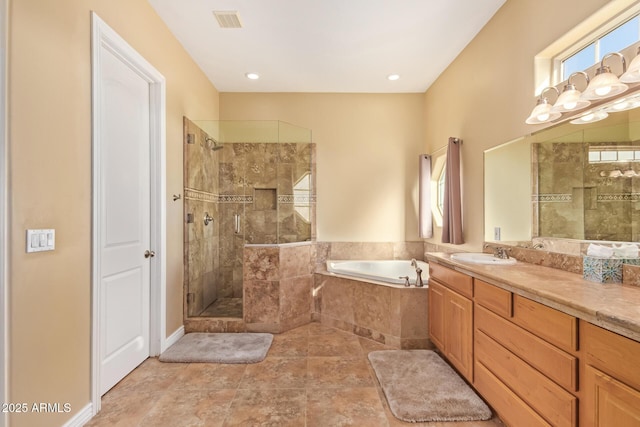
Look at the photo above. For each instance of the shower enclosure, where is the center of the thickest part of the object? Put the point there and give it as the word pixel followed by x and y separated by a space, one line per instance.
pixel 245 182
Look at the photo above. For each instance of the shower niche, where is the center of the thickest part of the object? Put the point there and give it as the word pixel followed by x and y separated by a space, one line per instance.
pixel 245 183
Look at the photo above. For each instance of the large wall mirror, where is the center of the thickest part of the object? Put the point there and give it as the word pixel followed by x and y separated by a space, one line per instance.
pixel 571 181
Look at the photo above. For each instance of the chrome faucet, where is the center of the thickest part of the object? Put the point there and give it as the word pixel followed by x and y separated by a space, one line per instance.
pixel 499 251
pixel 414 264
pixel 419 277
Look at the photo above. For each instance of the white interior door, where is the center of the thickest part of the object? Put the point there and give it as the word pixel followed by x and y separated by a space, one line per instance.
pixel 124 226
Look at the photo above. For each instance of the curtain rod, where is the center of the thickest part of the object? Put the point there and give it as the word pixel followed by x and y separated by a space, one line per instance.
pixel 455 140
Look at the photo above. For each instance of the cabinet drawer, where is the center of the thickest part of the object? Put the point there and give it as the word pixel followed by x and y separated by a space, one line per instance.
pixel 510 408
pixel 492 297
pixel 612 353
pixel 551 401
pixel 459 282
pixel 552 325
pixel 551 361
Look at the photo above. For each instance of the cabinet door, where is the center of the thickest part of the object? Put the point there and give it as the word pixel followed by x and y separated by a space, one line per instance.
pixel 610 402
pixel 436 314
pixel 459 333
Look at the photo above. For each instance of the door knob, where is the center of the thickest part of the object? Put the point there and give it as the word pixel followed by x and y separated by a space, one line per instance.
pixel 149 254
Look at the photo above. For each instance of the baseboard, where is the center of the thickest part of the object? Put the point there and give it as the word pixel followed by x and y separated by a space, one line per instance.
pixel 173 338
pixel 81 418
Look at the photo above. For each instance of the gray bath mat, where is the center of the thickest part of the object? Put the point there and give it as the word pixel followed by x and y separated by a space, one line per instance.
pixel 421 387
pixel 219 348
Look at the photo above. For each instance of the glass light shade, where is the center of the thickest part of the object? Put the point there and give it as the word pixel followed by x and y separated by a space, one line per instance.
pixel 542 113
pixel 604 85
pixel 632 75
pixel 623 104
pixel 590 117
pixel 569 100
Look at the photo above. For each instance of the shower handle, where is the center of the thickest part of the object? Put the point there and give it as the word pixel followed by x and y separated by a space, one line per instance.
pixel 207 218
pixel 236 222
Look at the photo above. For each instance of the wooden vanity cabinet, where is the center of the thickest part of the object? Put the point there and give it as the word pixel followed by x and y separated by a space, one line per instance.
pixel 531 362
pixel 451 316
pixel 525 369
pixel 611 379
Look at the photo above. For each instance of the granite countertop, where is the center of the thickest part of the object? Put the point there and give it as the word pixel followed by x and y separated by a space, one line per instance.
pixel 615 307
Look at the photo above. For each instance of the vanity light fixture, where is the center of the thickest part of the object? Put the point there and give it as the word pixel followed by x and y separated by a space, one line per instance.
pixel 590 117
pixel 605 84
pixel 570 98
pixel 632 75
pixel 252 76
pixel 542 112
pixel 617 173
pixel 624 104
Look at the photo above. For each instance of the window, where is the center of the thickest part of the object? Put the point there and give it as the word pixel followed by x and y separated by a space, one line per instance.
pixel 441 190
pixel 302 197
pixel 615 40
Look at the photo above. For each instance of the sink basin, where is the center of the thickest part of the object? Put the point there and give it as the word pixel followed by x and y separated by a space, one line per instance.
pixel 481 258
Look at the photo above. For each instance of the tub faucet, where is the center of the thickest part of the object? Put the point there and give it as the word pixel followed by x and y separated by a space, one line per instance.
pixel 414 263
pixel 407 283
pixel 419 277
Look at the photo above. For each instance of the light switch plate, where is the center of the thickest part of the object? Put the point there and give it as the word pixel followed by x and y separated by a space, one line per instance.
pixel 496 234
pixel 41 240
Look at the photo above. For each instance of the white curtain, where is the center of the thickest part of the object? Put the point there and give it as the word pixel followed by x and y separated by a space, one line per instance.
pixel 424 197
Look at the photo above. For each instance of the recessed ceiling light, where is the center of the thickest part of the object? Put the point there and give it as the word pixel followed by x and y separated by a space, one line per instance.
pixel 393 77
pixel 252 76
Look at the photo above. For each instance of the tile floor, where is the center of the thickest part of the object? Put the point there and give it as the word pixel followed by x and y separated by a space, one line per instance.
pixel 312 376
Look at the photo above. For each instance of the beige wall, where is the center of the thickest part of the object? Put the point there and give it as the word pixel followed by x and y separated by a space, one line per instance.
pixel 485 95
pixel 367 148
pixel 50 184
pixel 367 156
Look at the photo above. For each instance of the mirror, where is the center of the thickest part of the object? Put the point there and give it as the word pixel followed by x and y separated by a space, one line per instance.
pixel 578 182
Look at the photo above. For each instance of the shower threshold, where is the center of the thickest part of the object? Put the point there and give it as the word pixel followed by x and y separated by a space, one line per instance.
pixel 223 307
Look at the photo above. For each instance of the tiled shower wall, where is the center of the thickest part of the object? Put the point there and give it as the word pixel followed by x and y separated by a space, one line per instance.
pixel 201 243
pixel 257 183
pixel 572 200
pixel 260 193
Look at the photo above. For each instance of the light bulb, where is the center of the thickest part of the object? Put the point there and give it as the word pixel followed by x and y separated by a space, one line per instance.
pixel 543 117
pixel 602 91
pixel 570 105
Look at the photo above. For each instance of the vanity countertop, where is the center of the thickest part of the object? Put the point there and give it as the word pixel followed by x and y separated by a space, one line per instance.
pixel 615 307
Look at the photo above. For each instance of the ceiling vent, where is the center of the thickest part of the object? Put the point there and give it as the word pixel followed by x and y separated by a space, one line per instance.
pixel 227 18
